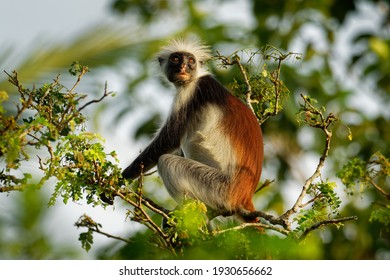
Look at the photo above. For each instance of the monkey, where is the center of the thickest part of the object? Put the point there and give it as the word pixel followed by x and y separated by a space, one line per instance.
pixel 210 147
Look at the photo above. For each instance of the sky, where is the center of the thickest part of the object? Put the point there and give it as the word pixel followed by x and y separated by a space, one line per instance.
pixel 24 21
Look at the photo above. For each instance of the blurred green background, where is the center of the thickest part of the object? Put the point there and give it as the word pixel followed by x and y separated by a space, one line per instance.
pixel 345 65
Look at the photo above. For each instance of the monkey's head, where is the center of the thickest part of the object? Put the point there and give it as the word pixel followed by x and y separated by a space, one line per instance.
pixel 182 61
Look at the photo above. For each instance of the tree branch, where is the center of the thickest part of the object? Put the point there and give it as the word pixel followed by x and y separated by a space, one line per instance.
pixel 247 225
pixel 378 188
pixel 105 94
pixel 248 93
pixel 146 219
pixel 270 218
pixel 323 125
pixel 86 221
pixel 11 188
pixel 326 222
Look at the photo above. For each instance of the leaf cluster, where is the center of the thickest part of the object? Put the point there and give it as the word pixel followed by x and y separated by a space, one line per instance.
pixel 263 89
pixel 86 238
pixel 373 173
pixel 43 115
pixel 81 166
pixel 189 218
pixel 50 118
pixel 325 204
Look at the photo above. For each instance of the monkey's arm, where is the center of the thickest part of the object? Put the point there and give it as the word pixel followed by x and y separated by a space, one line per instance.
pixel 167 141
pixel 148 158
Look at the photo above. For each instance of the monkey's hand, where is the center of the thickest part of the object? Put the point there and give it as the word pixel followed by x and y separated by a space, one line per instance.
pixel 132 171
pixel 107 198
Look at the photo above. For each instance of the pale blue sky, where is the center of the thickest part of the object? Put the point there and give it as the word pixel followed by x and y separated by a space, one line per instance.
pixel 23 21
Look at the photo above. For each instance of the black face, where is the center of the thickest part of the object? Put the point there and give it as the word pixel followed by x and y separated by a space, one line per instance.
pixel 181 68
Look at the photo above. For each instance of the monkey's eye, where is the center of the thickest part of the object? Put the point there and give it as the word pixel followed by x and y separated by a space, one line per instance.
pixel 174 59
pixel 191 60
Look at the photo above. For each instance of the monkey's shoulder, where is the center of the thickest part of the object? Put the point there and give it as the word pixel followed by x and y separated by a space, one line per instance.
pixel 210 90
pixel 209 82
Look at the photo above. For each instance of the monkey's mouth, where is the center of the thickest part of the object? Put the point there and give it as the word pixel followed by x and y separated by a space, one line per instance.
pixel 182 75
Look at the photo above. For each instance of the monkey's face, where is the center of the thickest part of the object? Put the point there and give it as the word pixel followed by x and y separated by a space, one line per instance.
pixel 181 68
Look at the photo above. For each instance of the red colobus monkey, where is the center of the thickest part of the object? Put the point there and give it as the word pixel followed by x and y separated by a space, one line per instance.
pixel 218 135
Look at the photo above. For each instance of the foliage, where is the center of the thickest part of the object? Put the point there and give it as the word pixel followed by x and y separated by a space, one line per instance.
pixel 45 116
pixel 373 173
pixel 81 166
pixel 188 222
pixel 352 82
pixel 83 170
pixel 86 238
pixel 264 92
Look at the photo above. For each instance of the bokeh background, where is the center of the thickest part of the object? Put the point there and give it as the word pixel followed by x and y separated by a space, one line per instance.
pixel 345 65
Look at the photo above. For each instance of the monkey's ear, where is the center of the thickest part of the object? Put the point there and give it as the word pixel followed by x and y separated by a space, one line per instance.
pixel 161 60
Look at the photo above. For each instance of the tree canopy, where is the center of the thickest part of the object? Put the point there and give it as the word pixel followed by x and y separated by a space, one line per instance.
pixel 320 73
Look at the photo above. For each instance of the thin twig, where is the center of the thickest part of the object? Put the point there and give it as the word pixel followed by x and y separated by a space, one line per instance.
pixel 148 222
pixel 12 188
pixel 257 225
pixel 97 230
pixel 326 222
pixel 309 202
pixel 264 185
pixel 145 201
pixel 49 90
pixel 248 92
pixel 295 208
pixel 378 188
pixel 317 173
pixel 86 221
pixel 105 94
pixel 82 73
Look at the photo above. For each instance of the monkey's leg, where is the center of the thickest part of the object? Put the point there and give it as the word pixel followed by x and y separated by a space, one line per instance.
pixel 189 178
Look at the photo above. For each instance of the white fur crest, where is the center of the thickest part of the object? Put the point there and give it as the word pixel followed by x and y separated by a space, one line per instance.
pixel 193 46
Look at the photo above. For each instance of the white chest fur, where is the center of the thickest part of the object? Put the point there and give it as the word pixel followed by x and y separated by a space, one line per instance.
pixel 205 142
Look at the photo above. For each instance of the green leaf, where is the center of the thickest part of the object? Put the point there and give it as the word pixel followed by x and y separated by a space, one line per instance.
pixel 381 215
pixel 86 239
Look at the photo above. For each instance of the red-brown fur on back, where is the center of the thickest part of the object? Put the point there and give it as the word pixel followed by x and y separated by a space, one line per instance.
pixel 245 133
